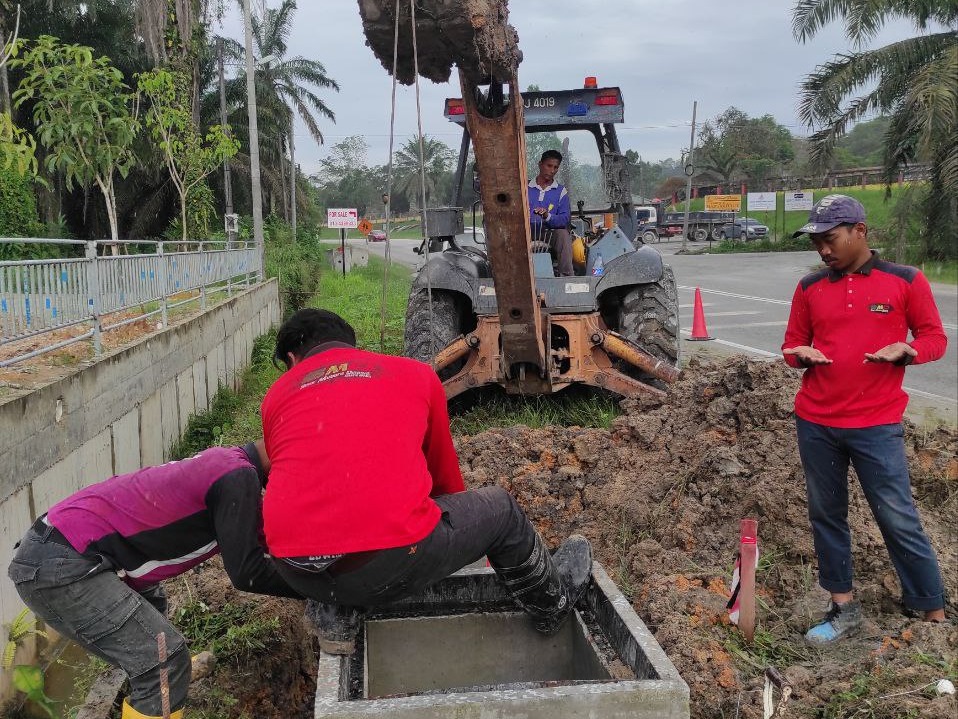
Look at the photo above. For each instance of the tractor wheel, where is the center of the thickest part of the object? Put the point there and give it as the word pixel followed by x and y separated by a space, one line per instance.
pixel 649 317
pixel 422 339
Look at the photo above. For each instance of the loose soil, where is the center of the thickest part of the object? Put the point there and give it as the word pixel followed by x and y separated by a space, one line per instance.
pixel 473 34
pixel 660 495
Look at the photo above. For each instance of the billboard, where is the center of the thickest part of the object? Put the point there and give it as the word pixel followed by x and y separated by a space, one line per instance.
pixel 761 202
pixel 342 218
pixel 723 203
pixel 798 200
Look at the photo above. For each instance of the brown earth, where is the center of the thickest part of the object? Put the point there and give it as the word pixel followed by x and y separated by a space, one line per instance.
pixel 473 34
pixel 660 496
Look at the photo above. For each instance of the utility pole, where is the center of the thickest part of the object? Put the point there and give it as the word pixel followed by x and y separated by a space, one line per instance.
pixel 253 139
pixel 227 180
pixel 689 171
pixel 292 179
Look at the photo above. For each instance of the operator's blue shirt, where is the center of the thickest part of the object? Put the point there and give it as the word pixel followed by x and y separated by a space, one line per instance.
pixel 556 201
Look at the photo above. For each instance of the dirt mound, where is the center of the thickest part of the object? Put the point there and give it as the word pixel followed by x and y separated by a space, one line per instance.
pixel 660 495
pixel 473 34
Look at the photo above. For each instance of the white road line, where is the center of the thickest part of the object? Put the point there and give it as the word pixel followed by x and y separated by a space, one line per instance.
pixel 690 306
pixel 776 355
pixel 746 325
pixel 737 296
pixel 732 314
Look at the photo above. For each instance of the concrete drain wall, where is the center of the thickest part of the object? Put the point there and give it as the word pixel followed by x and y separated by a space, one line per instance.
pixel 461 650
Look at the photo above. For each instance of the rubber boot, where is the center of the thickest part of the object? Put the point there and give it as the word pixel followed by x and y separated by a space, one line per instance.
pixel 131 713
pixel 548 586
pixel 336 627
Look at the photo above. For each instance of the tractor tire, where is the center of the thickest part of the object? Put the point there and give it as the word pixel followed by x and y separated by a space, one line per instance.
pixel 421 340
pixel 649 317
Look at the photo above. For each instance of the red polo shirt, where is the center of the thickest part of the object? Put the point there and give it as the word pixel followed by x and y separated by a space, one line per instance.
pixel 846 315
pixel 359 443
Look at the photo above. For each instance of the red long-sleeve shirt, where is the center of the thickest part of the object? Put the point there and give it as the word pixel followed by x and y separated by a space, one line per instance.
pixel 845 316
pixel 359 443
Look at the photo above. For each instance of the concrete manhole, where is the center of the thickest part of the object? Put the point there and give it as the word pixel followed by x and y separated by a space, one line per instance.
pixel 462 650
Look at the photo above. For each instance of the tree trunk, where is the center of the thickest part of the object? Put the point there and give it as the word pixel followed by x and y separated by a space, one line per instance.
pixel 5 90
pixel 292 176
pixel 183 216
pixel 282 178
pixel 109 199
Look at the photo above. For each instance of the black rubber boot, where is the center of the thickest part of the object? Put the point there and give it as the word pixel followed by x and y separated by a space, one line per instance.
pixel 548 587
pixel 335 626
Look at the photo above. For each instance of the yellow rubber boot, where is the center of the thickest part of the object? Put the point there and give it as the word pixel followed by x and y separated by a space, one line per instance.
pixel 131 713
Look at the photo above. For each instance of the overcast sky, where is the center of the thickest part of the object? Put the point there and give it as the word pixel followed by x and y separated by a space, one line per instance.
pixel 662 53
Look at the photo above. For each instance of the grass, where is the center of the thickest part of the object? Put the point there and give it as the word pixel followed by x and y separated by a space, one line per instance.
pixel 229 632
pixel 573 408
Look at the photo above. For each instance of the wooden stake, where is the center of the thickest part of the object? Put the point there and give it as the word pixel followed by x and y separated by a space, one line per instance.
pixel 164 675
pixel 748 540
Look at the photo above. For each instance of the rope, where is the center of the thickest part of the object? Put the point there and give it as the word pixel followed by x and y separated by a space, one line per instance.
pixel 389 188
pixel 422 175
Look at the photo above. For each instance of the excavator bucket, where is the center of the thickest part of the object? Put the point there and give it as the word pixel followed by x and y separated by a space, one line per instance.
pixel 475 35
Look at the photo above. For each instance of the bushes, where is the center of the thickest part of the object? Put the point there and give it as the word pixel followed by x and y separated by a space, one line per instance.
pixel 18 206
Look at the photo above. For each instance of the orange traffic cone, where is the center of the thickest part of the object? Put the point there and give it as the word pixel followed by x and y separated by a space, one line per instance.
pixel 699 330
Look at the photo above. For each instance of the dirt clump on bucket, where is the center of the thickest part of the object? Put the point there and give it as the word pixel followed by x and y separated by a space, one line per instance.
pixel 660 495
pixel 475 35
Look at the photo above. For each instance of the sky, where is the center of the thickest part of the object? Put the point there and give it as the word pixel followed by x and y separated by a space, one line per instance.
pixel 663 54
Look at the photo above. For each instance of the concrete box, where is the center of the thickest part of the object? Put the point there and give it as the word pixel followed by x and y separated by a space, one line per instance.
pixel 461 650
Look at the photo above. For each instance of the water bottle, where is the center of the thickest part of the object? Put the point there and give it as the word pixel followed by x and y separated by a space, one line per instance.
pixel 598 269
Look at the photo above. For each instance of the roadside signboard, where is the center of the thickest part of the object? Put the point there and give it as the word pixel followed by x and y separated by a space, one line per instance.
pixel 342 218
pixel 798 200
pixel 365 226
pixel 723 203
pixel 761 202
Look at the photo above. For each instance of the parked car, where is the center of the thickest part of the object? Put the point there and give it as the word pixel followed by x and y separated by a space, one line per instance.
pixel 376 236
pixel 744 228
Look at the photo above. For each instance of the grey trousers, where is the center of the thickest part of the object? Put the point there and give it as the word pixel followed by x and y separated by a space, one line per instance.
pixel 82 598
pixel 482 522
pixel 561 242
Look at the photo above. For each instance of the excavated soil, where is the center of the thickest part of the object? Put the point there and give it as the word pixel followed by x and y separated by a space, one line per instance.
pixel 660 495
pixel 475 35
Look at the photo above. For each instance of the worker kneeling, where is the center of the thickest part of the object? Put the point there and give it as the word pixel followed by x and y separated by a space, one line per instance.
pixel 91 566
pixel 366 503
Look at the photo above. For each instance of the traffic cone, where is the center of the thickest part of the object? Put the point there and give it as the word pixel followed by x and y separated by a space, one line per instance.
pixel 700 332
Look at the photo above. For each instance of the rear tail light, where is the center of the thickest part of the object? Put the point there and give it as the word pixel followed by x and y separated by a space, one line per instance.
pixel 607 97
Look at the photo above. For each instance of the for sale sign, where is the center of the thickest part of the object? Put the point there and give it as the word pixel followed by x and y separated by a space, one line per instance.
pixel 801 200
pixel 761 202
pixel 342 218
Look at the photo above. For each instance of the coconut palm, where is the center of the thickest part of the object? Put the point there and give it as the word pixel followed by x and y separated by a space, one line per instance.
pixel 285 87
pixel 914 81
pixel 437 159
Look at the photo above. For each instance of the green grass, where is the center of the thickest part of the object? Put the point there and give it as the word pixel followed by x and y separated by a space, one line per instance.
pixel 573 408
pixel 229 632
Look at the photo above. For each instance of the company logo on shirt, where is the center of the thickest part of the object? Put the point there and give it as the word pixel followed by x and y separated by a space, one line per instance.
pixel 332 372
pixel 880 307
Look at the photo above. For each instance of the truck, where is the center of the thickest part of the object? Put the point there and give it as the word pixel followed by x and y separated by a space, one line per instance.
pixel 654 223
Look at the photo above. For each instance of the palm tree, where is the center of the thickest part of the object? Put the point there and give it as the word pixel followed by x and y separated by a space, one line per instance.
pixel 437 159
pixel 285 86
pixel 914 81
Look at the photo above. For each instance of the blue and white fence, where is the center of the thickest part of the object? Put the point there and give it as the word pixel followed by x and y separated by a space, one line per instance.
pixel 44 295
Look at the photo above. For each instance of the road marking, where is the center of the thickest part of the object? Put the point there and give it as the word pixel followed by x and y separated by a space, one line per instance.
pixel 690 306
pixel 733 314
pixel 776 355
pixel 746 325
pixel 737 296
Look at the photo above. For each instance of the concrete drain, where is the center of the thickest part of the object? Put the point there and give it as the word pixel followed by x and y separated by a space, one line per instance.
pixel 462 650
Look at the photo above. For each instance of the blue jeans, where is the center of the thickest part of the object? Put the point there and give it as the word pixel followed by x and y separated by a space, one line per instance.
pixel 82 598
pixel 878 455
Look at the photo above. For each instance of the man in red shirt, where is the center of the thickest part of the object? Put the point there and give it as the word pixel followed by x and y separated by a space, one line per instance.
pixel 848 328
pixel 366 502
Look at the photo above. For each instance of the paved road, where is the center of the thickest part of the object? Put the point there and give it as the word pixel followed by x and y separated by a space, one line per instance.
pixel 747 299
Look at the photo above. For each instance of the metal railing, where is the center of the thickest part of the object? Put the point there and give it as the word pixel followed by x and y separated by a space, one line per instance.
pixel 40 296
